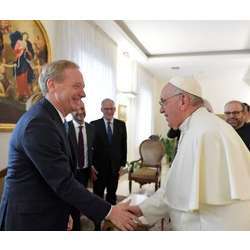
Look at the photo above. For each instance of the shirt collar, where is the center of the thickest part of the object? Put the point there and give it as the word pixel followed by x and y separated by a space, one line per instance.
pixel 76 124
pixel 106 121
pixel 58 111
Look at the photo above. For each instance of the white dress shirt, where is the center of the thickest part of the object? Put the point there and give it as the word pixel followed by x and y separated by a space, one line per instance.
pixel 111 125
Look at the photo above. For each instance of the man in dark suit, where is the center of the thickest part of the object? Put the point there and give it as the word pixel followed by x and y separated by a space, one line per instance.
pixel 81 136
pixel 40 187
pixel 110 151
pixel 84 170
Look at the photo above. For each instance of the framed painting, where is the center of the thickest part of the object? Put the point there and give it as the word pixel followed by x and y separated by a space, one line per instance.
pixel 122 112
pixel 24 48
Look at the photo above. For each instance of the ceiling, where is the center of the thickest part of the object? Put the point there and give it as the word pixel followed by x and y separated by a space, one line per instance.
pixel 167 48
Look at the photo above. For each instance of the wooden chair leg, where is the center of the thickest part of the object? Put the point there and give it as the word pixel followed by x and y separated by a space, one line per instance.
pixel 162 224
pixel 156 186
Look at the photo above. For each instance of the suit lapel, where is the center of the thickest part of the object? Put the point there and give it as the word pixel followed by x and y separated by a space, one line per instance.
pixel 60 126
pixel 104 131
pixel 88 134
pixel 73 145
pixel 115 129
pixel 72 135
pixel 67 143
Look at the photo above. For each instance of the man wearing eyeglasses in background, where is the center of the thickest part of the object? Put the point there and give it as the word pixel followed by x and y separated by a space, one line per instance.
pixel 110 152
pixel 235 116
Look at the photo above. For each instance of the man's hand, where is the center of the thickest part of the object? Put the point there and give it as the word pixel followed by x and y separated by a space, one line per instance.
pixel 70 224
pixel 122 218
pixel 135 210
pixel 93 174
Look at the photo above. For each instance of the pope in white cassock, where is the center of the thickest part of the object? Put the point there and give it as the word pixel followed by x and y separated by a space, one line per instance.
pixel 208 184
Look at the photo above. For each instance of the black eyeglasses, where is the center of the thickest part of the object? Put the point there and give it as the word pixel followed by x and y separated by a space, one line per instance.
pixel 109 109
pixel 233 112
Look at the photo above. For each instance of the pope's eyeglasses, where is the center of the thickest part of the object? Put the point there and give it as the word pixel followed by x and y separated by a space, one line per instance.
pixel 163 102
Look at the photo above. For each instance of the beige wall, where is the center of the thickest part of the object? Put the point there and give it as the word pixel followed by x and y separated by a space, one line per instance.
pixel 218 88
pixel 160 125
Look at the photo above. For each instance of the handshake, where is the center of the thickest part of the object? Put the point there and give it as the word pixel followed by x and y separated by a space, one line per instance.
pixel 125 217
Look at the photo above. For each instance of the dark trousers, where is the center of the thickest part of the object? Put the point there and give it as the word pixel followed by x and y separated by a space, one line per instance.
pixel 106 180
pixel 109 181
pixel 82 175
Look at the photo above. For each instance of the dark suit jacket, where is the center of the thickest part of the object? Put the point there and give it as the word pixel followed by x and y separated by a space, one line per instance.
pixel 105 153
pixel 244 133
pixel 40 187
pixel 90 140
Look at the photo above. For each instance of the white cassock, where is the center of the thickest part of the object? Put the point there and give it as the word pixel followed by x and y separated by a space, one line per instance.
pixel 208 185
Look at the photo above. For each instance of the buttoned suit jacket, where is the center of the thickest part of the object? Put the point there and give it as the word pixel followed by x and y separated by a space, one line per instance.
pixel 105 153
pixel 40 187
pixel 90 140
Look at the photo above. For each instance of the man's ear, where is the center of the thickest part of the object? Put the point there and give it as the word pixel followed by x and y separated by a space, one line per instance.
pixel 184 102
pixel 50 85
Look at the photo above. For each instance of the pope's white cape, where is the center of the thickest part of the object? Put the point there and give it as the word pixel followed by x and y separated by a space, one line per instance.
pixel 211 167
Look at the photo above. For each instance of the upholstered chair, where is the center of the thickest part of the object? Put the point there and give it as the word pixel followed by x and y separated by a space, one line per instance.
pixel 148 168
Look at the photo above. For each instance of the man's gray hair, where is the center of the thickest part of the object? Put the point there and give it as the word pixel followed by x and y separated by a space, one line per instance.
pixel 107 100
pixel 54 71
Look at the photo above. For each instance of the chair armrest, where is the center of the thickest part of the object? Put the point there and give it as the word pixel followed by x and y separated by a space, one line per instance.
pixel 132 165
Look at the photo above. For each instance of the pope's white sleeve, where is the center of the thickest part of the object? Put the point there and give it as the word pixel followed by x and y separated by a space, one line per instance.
pixel 154 208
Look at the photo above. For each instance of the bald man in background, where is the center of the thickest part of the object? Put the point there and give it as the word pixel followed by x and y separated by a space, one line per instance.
pixel 81 136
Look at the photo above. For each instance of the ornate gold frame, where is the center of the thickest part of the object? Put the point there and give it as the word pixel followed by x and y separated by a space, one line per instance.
pixel 8 127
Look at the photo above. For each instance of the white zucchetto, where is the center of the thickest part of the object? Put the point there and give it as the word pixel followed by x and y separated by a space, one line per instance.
pixel 188 84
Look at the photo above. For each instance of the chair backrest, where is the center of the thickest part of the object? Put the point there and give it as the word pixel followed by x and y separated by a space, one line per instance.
pixel 151 152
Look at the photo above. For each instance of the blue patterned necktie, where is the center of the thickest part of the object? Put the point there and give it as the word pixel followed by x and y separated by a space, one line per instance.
pixel 109 132
pixel 66 127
